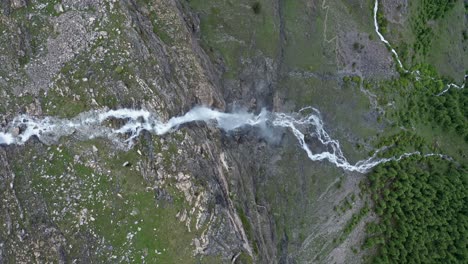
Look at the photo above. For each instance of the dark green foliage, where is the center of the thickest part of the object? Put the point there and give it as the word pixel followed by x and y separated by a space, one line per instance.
pixel 257 7
pixel 422 206
pixel 355 219
pixel 421 203
pixel 421 105
pixel 381 20
pixel 428 10
pixel 356 46
pixel 243 258
pixel 248 228
pixel 401 142
pixel 352 223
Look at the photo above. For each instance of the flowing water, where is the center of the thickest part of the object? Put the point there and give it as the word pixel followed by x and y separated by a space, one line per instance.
pixel 97 124
pixel 397 58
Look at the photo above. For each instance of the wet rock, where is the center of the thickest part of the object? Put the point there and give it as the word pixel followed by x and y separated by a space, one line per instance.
pixel 21 128
pixel 15 131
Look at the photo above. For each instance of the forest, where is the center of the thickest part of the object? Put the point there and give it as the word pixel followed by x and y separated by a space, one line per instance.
pixel 422 97
pixel 428 10
pixel 422 205
pixel 421 202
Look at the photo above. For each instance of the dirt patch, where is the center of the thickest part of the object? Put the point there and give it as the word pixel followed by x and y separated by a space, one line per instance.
pixel 320 246
pixel 360 54
pixel 395 10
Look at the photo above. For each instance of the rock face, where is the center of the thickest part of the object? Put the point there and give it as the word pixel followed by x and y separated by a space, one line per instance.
pixel 64 57
pixel 197 195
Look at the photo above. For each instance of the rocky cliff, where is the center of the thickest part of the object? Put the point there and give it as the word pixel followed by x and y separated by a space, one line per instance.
pixel 198 195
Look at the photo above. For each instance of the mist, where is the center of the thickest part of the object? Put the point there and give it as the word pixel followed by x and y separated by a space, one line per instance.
pixel 270 126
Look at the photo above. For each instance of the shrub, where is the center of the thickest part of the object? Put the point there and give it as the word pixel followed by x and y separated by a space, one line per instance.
pixel 257 7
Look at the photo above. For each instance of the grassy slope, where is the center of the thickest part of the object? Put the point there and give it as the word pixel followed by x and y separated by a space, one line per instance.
pixel 306 52
pixel 110 195
pixel 124 219
pixel 447 56
pixel 293 190
pixel 448 49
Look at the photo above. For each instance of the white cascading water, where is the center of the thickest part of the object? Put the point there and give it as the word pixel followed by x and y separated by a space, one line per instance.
pixel 382 38
pixel 93 124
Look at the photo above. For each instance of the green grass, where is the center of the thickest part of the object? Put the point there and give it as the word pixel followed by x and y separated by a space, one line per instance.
pixel 235 31
pixel 111 198
pixel 246 223
pixel 161 28
pixel 80 76
pixel 305 47
pixel 445 48
pixel 352 223
pixel 445 53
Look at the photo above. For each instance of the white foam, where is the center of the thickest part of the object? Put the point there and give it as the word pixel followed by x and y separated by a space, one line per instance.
pixel 335 156
pixel 382 38
pixel 6 139
pixel 92 124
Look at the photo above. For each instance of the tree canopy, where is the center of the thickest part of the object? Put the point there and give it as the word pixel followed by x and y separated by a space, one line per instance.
pixel 422 205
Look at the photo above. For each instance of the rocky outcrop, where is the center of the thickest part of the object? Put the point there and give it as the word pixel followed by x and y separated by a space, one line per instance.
pixel 85 50
pixel 196 193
